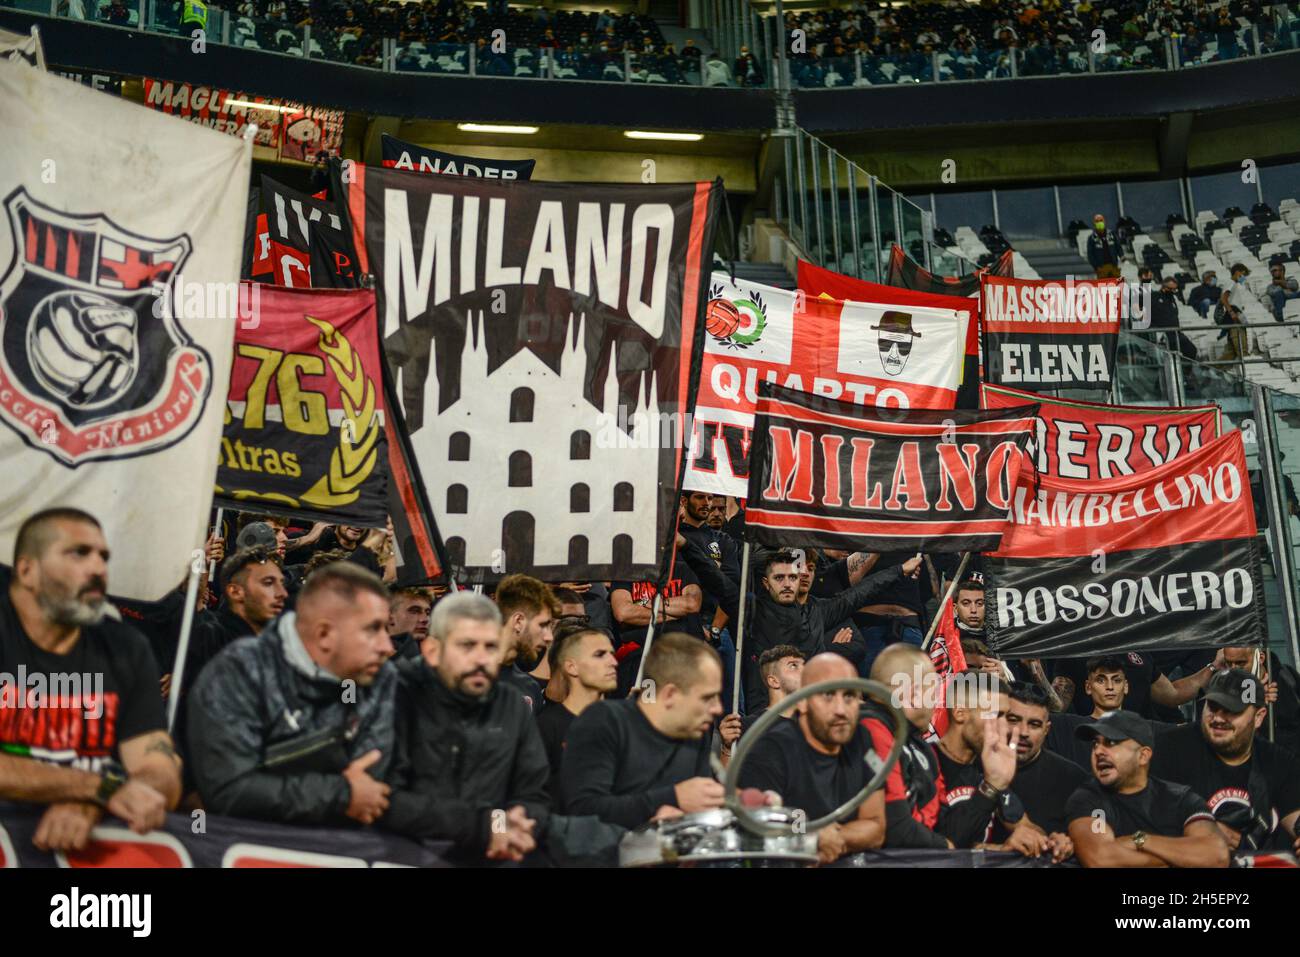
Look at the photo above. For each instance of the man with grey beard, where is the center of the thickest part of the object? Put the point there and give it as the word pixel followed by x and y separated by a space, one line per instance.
pixel 101 741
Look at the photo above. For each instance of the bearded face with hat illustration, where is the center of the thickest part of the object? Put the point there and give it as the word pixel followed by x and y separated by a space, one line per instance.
pixel 895 339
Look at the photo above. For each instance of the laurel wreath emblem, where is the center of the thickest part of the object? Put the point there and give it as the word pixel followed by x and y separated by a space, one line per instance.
pixel 354 458
pixel 756 306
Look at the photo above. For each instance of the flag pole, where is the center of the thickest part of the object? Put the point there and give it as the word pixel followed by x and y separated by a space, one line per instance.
pixel 212 564
pixel 952 587
pixel 740 629
pixel 649 637
pixel 1261 668
pixel 183 647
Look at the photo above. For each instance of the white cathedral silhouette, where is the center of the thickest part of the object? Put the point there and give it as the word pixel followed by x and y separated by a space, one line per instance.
pixel 523 448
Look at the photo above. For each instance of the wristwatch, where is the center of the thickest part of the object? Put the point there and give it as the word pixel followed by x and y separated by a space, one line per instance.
pixel 111 777
pixel 989 791
pixel 1139 840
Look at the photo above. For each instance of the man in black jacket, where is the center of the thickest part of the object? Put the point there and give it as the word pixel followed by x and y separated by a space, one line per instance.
pixel 296 726
pixel 470 765
pixel 776 617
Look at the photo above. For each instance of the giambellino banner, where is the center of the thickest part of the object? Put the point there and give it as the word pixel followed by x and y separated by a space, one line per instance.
pixel 876 353
pixel 538 336
pixel 1090 440
pixel 1049 334
pixel 118 306
pixel 304 430
pixel 830 474
pixel 1161 560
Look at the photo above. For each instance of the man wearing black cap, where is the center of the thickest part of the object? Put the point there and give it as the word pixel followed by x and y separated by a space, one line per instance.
pixel 1127 818
pixel 1253 786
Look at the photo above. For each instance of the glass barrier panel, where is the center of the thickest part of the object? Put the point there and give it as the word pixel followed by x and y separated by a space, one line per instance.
pixel 263 33
pixel 338 46
pixel 1286 436
pixel 655 68
pixel 1129 54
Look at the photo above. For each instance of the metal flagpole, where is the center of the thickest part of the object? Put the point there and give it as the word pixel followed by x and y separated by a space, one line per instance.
pixel 183 648
pixel 649 637
pixel 1261 668
pixel 212 563
pixel 952 587
pixel 740 629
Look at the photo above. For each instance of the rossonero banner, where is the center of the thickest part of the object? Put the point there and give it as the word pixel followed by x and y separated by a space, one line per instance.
pixel 304 431
pixel 832 474
pixel 118 307
pixel 877 353
pixel 293 130
pixel 399 154
pixel 1159 560
pixel 1090 440
pixel 910 274
pixel 539 337
pixel 289 215
pixel 817 282
pixel 1050 334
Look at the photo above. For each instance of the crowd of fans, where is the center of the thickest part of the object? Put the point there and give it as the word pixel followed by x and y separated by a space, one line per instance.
pixel 534 725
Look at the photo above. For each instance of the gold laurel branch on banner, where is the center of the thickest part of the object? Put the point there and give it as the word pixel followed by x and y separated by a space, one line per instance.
pixel 354 458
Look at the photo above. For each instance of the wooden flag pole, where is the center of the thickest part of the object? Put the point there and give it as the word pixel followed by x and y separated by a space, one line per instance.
pixel 952 587
pixel 740 630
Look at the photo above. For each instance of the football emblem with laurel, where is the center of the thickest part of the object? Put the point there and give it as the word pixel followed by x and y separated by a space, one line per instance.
pixel 735 323
pixel 83 348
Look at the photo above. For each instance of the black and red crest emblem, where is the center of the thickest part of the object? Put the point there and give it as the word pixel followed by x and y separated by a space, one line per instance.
pixel 91 367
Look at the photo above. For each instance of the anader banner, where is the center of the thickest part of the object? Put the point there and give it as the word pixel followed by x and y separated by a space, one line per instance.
pixel 304 431
pixel 399 154
pixel 1090 440
pixel 1160 560
pixel 543 340
pixel 878 353
pixel 910 274
pixel 832 474
pixel 289 216
pixel 817 282
pixel 1050 334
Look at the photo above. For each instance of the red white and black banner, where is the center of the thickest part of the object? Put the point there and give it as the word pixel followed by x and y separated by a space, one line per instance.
pixel 817 282
pixel 289 216
pixel 831 474
pixel 1090 440
pixel 1158 560
pixel 304 431
pixel 878 353
pixel 910 274
pixel 333 260
pixel 1050 334
pixel 543 341
pixel 399 154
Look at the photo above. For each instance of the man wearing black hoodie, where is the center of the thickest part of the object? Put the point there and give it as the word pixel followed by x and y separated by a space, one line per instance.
pixel 470 766
pixel 775 616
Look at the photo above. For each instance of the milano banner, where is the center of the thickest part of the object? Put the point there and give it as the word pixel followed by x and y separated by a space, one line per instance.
pixel 877 353
pixel 910 274
pixel 831 474
pixel 539 337
pixel 817 282
pixel 1050 334
pixel 1159 560
pixel 399 154
pixel 117 317
pixel 1089 440
pixel 304 428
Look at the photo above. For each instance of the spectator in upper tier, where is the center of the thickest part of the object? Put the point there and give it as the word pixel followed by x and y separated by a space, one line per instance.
pixel 1103 249
pixel 1164 315
pixel 1125 817
pixel 67 748
pixel 1233 300
pixel 117 13
pixel 1281 290
pixel 1203 297
pixel 296 725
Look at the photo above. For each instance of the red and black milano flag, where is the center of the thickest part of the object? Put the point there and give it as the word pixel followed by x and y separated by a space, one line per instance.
pixel 831 474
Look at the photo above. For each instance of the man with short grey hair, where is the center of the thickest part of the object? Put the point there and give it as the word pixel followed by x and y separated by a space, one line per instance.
pixel 470 766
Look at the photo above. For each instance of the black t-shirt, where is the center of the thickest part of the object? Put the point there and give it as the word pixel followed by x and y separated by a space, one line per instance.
pixel 553 725
pixel 1162 808
pixel 101 693
pixel 783 761
pixel 723 550
pixel 529 688
pixel 1139 668
pixel 1268 782
pixel 1061 739
pixel 643 593
pixel 1044 786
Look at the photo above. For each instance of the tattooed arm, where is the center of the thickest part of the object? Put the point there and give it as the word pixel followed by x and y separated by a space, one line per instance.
pixel 152 759
pixel 859 563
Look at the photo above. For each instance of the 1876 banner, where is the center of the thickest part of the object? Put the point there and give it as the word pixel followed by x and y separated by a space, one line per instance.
pixel 304 427
pixel 543 340
pixel 1160 560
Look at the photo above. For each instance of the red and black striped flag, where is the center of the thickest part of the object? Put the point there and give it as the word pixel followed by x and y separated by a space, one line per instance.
pixel 831 474
pixel 1161 559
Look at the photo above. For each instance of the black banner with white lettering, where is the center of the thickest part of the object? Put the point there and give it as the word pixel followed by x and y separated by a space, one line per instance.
pixel 399 154
pixel 1159 560
pixel 289 215
pixel 333 261
pixel 831 474
pixel 544 341
pixel 1047 334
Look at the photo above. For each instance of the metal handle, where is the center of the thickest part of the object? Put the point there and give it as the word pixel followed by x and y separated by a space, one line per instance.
pixel 872 689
